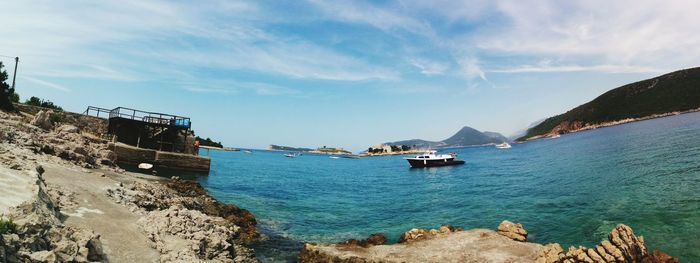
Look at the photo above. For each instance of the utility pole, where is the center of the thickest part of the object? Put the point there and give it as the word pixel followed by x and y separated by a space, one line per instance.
pixel 15 75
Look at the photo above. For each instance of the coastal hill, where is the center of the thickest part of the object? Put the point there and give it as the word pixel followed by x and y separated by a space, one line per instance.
pixel 466 136
pixel 668 94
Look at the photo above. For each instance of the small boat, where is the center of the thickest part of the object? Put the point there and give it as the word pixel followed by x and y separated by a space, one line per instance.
pixel 248 152
pixel 335 157
pixel 556 136
pixel 291 155
pixel 503 145
pixel 145 166
pixel 432 159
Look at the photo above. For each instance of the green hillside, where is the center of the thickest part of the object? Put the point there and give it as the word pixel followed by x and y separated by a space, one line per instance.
pixel 676 91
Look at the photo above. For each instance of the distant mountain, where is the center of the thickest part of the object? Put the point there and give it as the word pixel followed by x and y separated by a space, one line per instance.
pixel 674 92
pixel 466 136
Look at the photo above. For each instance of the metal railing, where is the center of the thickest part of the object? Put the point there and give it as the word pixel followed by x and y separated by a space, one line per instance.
pixel 95 112
pixel 144 116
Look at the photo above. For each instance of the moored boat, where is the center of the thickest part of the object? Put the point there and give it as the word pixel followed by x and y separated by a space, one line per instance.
pixel 432 159
pixel 503 145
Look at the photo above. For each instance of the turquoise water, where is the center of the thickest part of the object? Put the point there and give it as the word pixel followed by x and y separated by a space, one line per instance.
pixel 572 190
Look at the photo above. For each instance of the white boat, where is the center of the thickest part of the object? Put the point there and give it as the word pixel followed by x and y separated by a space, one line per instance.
pixel 248 152
pixel 291 155
pixel 335 157
pixel 503 145
pixel 145 166
pixel 432 159
pixel 556 136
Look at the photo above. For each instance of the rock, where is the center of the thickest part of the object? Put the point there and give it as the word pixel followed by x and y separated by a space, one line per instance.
pixel 373 240
pixel 67 128
pixel 43 120
pixel 513 231
pixel 43 256
pixel 418 234
pixel 660 257
pixel 199 237
pixel 413 235
pixel 550 253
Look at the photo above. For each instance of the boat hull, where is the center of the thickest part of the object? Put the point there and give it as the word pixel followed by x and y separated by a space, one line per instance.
pixel 433 163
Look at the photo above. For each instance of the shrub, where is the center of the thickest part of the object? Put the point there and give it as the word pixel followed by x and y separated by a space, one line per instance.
pixel 7 226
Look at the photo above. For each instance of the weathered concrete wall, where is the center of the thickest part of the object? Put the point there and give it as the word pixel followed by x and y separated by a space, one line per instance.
pixel 90 124
pixel 182 161
pixel 131 155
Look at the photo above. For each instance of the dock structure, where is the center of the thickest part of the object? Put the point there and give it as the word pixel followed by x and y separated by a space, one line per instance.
pixel 164 140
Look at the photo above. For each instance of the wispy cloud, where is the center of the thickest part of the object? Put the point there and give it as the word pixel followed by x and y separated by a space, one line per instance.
pixel 47 84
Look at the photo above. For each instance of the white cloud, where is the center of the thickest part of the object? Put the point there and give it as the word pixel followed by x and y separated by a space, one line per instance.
pixel 471 68
pixel 428 67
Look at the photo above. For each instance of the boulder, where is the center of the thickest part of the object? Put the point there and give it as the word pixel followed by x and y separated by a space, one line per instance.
pixel 43 120
pixel 513 231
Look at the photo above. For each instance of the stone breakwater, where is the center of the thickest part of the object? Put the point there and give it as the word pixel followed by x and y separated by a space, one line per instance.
pixel 507 244
pixel 70 189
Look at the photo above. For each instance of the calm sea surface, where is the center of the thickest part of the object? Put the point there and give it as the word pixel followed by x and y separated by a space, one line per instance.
pixel 572 190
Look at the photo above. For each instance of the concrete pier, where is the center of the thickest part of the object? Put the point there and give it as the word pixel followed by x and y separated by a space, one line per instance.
pixel 131 155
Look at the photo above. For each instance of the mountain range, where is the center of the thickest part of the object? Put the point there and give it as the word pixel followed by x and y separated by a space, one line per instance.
pixel 466 136
pixel 677 91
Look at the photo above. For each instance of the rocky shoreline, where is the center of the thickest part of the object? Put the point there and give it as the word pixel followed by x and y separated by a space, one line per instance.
pixel 572 127
pixel 66 201
pixel 507 244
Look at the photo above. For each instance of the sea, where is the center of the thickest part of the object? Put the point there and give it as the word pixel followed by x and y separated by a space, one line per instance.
pixel 572 190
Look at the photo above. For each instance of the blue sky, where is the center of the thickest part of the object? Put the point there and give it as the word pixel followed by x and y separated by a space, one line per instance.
pixel 343 73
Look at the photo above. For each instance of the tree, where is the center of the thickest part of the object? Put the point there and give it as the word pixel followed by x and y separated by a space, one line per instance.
pixel 5 91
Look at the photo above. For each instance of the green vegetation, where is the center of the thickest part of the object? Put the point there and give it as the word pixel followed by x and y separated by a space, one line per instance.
pixel 6 92
pixel 676 91
pixel 394 148
pixel 333 150
pixel 7 226
pixel 287 148
pixel 34 101
pixel 208 142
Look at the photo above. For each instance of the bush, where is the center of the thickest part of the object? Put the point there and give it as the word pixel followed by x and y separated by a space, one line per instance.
pixel 7 226
pixel 34 101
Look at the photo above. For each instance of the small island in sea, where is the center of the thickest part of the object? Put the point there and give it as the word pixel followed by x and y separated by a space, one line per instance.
pixel 319 150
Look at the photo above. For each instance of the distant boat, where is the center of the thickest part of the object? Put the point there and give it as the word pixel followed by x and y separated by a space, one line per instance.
pixel 503 145
pixel 556 136
pixel 432 159
pixel 248 152
pixel 291 155
pixel 335 157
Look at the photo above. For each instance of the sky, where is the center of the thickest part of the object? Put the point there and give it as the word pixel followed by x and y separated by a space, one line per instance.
pixel 350 74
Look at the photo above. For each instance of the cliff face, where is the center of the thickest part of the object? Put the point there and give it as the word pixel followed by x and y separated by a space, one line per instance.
pixel 678 91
